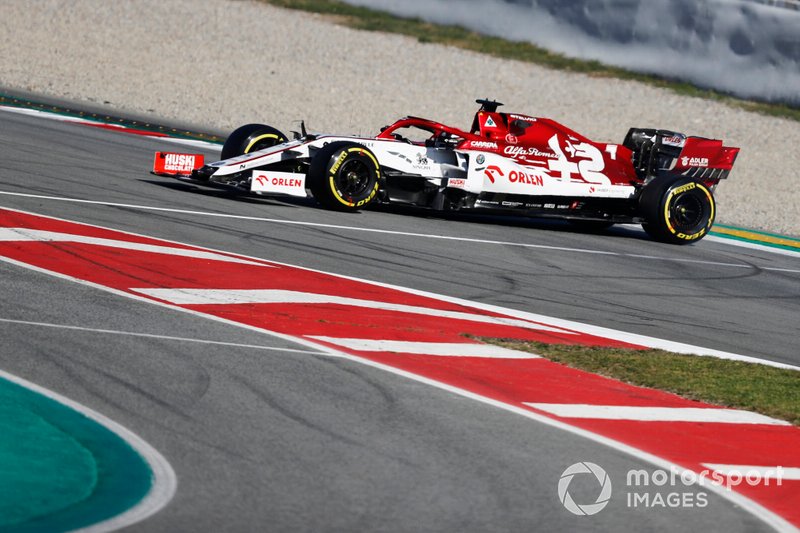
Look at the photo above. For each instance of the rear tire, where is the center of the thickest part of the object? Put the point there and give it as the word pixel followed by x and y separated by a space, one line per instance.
pixel 250 138
pixel 344 176
pixel 677 211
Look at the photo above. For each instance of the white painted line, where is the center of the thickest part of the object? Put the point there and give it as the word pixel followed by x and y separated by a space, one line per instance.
pixel 154 336
pixel 747 266
pixel 25 234
pixel 78 120
pixel 623 336
pixel 45 114
pixel 763 472
pixel 191 142
pixel 446 349
pixel 656 414
pixel 773 520
pixel 274 296
pixel 165 482
pixel 296 340
pixel 752 245
pixel 589 329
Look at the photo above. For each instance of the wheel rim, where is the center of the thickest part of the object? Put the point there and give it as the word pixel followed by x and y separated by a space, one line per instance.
pixel 687 211
pixel 353 179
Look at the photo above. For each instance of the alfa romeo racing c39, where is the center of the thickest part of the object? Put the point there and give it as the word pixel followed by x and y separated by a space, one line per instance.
pixel 506 163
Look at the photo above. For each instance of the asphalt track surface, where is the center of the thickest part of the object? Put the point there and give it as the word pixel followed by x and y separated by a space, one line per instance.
pixel 276 439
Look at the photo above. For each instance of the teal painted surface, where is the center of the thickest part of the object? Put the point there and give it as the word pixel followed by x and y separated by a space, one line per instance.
pixel 60 470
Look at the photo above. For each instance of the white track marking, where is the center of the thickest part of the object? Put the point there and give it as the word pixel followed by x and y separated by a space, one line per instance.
pixel 401 233
pixel 446 349
pixel 190 142
pixel 762 513
pixel 631 338
pixel 656 414
pixel 25 234
pixel 165 483
pixel 273 296
pixel 753 246
pixel 77 120
pixel 765 472
pixel 154 336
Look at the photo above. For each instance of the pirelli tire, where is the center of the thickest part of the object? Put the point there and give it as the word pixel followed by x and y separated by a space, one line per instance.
pixel 344 176
pixel 250 138
pixel 677 211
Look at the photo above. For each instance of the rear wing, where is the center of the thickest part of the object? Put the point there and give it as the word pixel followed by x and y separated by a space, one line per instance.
pixel 657 151
pixel 705 159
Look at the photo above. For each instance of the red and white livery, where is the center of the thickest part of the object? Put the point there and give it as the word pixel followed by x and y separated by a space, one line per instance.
pixel 505 163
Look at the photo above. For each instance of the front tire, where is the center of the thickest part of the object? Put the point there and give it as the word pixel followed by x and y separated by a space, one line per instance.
pixel 344 176
pixel 677 211
pixel 250 138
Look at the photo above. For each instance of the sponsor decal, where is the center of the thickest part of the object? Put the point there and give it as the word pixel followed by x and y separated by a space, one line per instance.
pixel 483 145
pixel 522 117
pixel 422 162
pixel 511 139
pixel 694 161
pixel 176 163
pixel 491 170
pixel 338 162
pixel 526 178
pixel 457 183
pixel 522 151
pixel 278 182
pixel 684 188
pixel 480 159
pixel 286 182
pixel 366 200
pixel 490 123
pixel 511 204
pixel 675 140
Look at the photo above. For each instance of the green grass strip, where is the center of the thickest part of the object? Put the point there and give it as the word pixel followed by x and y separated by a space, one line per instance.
pixel 771 391
pixel 363 18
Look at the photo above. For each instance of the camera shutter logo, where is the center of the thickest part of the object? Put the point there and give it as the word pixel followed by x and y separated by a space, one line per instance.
pixel 589 508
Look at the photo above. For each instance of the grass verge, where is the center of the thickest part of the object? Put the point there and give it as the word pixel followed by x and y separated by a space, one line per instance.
pixel 362 18
pixel 764 389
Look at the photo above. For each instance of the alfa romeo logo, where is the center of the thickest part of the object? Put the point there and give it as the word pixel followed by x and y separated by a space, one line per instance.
pixel 587 509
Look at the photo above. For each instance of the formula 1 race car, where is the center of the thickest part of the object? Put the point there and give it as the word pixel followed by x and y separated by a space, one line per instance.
pixel 506 163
